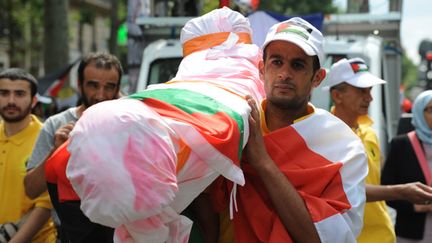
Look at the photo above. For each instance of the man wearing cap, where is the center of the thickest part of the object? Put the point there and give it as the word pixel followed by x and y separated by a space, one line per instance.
pixel 304 168
pixel 350 85
pixel 21 219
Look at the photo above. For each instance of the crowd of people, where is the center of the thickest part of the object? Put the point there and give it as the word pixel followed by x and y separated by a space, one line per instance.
pixel 235 143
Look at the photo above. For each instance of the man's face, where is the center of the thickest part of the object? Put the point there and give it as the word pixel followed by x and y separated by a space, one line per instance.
pixel 288 75
pixel 354 101
pixel 15 100
pixel 99 85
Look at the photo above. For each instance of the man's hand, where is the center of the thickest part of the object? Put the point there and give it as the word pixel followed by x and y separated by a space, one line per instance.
pixel 34 222
pixel 62 134
pixel 34 181
pixel 255 149
pixel 288 204
pixel 423 208
pixel 417 193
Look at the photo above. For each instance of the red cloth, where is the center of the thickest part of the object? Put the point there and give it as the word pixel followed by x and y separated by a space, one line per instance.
pixel 55 172
pixel 224 3
pixel 317 180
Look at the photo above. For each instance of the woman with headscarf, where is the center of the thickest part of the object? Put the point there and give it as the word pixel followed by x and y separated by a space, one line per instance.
pixel 410 160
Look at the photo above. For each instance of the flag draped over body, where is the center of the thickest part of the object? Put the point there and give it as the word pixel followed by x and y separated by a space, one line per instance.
pixel 137 162
pixel 325 168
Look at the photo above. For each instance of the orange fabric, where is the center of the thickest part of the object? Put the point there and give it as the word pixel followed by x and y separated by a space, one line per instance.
pixel 211 40
pixel 182 155
pixel 50 164
pixel 256 219
pixel 55 172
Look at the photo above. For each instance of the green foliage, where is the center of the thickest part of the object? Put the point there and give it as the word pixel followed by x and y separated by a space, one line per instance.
pixel 87 15
pixel 23 21
pixel 122 10
pixel 409 72
pixel 209 5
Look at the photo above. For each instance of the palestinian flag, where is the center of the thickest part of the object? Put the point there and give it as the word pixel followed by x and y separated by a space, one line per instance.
pixel 359 67
pixel 52 83
pixel 217 121
pixel 220 125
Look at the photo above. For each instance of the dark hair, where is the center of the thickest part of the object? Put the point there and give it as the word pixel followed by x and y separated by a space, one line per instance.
pixel 340 87
pixel 316 64
pixel 20 74
pixel 102 60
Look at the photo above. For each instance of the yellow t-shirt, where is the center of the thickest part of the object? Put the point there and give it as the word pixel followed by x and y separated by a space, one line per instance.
pixel 377 225
pixel 14 204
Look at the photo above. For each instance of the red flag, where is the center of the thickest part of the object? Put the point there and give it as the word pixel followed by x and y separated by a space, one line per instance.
pixel 224 3
pixel 55 172
pixel 56 86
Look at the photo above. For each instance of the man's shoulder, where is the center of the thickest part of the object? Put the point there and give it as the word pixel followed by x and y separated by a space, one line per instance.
pixel 36 125
pixel 63 117
pixel 321 124
pixel 326 116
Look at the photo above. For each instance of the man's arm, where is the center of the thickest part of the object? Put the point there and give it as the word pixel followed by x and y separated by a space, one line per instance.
pixel 415 192
pixel 34 222
pixel 288 204
pixel 34 181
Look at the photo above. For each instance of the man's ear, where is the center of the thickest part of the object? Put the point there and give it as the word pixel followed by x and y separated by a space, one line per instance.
pixel 261 69
pixel 34 101
pixel 336 96
pixel 319 76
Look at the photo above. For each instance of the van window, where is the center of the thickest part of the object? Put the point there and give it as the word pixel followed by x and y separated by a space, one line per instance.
pixel 163 70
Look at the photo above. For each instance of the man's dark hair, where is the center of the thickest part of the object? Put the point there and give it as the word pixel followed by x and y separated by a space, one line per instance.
pixel 102 60
pixel 340 87
pixel 316 64
pixel 20 74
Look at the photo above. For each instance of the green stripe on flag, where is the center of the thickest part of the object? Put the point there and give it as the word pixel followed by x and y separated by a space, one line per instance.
pixel 193 102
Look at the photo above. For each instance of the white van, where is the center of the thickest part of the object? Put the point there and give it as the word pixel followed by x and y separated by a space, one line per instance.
pixel 160 62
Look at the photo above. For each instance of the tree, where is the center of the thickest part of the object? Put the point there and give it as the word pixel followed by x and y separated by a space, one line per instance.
pixel 21 30
pixel 115 23
pixel 56 51
pixel 118 16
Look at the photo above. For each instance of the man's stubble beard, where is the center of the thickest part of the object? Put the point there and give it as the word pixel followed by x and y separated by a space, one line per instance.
pixel 84 99
pixel 18 118
pixel 287 104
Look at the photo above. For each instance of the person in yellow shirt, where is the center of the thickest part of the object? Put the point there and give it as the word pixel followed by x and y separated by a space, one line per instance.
pixel 350 85
pixel 21 219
